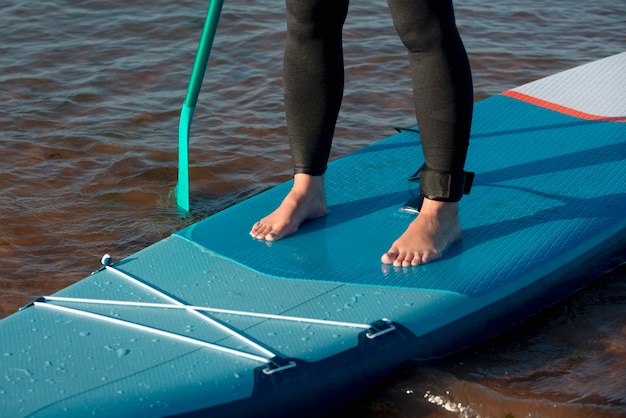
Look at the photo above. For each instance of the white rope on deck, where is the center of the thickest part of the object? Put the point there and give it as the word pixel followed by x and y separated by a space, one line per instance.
pixel 268 356
pixel 206 309
pixel 152 330
pixel 106 259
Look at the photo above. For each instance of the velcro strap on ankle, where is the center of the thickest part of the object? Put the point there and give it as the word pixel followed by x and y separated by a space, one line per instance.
pixel 445 187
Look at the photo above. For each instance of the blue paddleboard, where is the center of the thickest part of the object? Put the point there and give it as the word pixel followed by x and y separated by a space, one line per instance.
pixel 209 322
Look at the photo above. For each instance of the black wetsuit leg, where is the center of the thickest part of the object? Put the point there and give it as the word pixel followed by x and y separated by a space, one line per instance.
pixel 313 79
pixel 442 91
pixel 442 84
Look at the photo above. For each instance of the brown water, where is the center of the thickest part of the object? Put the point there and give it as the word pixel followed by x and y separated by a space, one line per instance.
pixel 90 93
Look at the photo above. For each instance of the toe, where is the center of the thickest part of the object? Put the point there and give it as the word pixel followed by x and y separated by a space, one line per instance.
pixel 399 260
pixel 259 231
pixel 408 261
pixel 256 228
pixel 430 256
pixel 389 257
pixel 271 236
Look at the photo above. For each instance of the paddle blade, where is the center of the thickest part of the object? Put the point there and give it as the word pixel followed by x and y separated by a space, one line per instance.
pixel 182 187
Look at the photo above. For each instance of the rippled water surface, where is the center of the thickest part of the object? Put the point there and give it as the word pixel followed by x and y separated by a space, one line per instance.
pixel 90 94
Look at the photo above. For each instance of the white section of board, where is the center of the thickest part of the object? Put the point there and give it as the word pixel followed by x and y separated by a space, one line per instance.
pixel 596 92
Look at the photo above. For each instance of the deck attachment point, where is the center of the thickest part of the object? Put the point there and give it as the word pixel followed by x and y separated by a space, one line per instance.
pixel 379 328
pixel 32 302
pixel 412 206
pixel 406 129
pixel 278 364
pixel 105 261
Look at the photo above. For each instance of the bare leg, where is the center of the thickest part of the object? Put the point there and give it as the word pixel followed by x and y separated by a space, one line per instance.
pixel 436 227
pixel 306 200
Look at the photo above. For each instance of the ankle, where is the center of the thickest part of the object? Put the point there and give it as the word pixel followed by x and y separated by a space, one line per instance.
pixel 306 184
pixel 439 208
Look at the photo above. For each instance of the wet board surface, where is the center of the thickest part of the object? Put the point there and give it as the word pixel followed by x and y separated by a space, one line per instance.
pixel 313 319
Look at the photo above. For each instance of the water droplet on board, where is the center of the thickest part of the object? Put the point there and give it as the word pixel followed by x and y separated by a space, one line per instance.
pixel 25 372
pixel 121 352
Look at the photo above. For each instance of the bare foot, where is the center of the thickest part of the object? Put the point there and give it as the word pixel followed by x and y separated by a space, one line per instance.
pixel 306 200
pixel 436 227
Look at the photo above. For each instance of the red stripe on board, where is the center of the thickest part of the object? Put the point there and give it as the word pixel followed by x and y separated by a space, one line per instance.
pixel 561 109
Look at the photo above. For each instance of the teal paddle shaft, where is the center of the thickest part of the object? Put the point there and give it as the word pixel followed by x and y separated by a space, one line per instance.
pixel 189 106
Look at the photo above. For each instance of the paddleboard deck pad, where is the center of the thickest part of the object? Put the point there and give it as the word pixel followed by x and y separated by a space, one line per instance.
pixel 211 322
